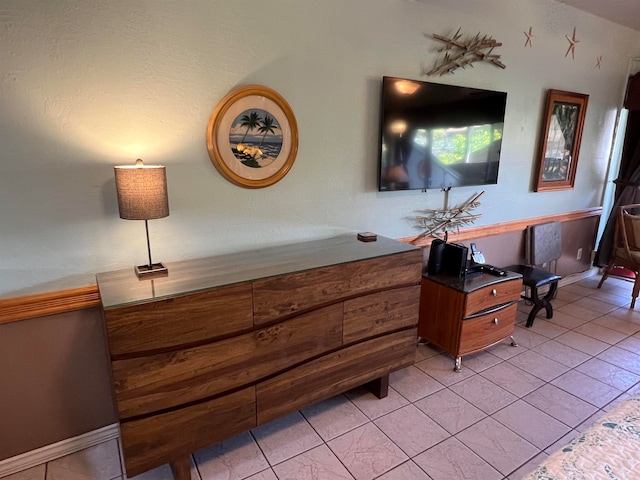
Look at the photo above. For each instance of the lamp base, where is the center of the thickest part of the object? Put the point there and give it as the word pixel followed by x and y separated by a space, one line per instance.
pixel 153 270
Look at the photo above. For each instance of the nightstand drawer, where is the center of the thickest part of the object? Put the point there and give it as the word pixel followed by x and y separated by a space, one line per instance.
pixel 492 295
pixel 480 332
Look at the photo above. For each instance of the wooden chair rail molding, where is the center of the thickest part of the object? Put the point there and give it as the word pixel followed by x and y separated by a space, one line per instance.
pixel 31 306
pixel 508 227
pixel 42 304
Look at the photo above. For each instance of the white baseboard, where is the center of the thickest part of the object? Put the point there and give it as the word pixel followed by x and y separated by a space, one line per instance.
pixel 57 450
pixel 576 277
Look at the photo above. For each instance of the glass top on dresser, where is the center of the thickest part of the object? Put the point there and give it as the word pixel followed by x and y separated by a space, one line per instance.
pixel 122 287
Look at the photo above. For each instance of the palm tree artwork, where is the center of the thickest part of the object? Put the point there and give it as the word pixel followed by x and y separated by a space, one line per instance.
pixel 256 138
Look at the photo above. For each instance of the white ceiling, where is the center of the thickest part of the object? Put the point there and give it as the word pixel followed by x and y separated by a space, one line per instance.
pixel 622 12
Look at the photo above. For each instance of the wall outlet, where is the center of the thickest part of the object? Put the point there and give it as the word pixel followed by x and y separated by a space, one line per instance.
pixel 579 254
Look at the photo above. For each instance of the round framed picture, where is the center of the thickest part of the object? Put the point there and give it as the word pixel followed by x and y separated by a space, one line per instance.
pixel 252 136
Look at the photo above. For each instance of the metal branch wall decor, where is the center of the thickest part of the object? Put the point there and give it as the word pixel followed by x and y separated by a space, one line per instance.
pixel 459 52
pixel 442 220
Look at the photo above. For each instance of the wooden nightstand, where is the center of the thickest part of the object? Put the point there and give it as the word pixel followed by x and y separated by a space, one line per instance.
pixel 466 315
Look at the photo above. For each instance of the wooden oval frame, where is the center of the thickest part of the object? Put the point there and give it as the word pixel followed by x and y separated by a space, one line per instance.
pixel 245 98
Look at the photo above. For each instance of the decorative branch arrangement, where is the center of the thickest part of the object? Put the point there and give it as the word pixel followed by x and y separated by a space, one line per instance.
pixel 441 220
pixel 460 53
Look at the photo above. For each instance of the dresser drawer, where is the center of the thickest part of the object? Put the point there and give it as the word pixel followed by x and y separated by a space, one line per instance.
pixel 285 295
pixel 480 332
pixel 334 373
pixel 175 321
pixel 377 313
pixel 152 441
pixel 495 294
pixel 166 380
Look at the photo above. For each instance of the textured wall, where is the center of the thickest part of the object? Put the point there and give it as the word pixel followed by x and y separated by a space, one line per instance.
pixel 86 85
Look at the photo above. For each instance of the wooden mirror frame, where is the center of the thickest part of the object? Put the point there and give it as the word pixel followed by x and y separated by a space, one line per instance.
pixel 559 173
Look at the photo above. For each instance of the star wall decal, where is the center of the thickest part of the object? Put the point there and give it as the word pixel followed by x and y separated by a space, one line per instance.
pixel 599 62
pixel 529 36
pixel 572 44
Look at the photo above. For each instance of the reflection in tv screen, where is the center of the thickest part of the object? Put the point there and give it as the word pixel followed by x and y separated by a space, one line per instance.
pixel 436 136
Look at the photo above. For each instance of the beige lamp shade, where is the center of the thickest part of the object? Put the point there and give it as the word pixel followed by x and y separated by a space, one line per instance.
pixel 142 191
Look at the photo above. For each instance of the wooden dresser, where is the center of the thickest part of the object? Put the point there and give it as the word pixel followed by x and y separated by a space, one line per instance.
pixel 466 315
pixel 226 343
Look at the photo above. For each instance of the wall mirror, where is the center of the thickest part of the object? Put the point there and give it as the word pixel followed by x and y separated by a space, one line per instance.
pixel 560 140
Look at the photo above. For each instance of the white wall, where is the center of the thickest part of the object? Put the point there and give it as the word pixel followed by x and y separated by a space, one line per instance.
pixel 88 85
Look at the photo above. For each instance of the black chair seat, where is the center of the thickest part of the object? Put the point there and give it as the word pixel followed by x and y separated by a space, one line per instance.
pixel 535 278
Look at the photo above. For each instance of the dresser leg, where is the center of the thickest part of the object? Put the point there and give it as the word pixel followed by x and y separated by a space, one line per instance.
pixel 380 386
pixel 458 365
pixel 181 468
pixel 513 342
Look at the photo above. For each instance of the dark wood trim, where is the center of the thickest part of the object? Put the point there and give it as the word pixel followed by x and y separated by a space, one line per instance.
pixel 507 227
pixel 31 306
pixel 40 305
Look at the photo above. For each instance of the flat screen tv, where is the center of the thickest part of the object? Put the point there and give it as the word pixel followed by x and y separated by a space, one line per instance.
pixel 438 136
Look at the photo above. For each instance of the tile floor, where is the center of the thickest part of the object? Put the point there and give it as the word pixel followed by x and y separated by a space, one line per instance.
pixel 496 419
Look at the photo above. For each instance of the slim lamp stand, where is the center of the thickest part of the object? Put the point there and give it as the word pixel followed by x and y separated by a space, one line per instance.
pixel 151 268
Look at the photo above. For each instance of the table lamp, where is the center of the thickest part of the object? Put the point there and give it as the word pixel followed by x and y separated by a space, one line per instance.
pixel 142 195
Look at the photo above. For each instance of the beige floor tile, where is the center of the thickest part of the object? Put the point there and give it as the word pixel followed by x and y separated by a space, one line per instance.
pixel 367 452
pixel 565 320
pixel 595 305
pixel 374 407
pixel 481 361
pixel 546 328
pixel 413 384
pixel 539 365
pixel 600 332
pixel 411 429
pixel 450 411
pixel 561 353
pixel 34 473
pixel 452 459
pixel 334 416
pixel 233 459
pixel 164 473
pixel 501 448
pixel 317 464
pixel 440 368
pixel 561 405
pixel 264 475
pixel 100 462
pixel 631 344
pixel 582 342
pixel 407 471
pixel 586 388
pixel 615 299
pixel 532 424
pixel 608 373
pixel 622 358
pixel 285 438
pixel 575 309
pixel 512 379
pixel 483 394
pixel 527 337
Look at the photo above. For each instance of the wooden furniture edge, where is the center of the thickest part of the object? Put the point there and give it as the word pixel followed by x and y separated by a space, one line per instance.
pixel 43 304
pixel 506 227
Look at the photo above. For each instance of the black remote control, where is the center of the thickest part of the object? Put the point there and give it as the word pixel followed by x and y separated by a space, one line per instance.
pixel 490 269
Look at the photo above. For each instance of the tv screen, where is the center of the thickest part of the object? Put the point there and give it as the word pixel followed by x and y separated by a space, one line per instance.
pixel 438 136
